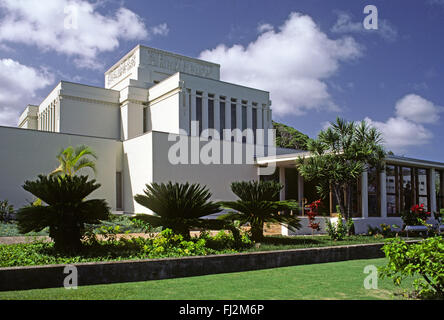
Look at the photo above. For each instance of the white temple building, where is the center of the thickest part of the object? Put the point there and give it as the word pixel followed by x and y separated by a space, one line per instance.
pixel 167 117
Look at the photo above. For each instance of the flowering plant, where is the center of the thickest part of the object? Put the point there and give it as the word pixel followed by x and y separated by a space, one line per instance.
pixel 312 213
pixel 416 216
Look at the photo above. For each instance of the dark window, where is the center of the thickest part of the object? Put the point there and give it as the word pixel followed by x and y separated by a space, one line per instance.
pixel 145 120
pixel 211 114
pixel 373 192
pixel 199 114
pixel 439 188
pixel 423 188
pixel 244 123
pixel 406 178
pixel 392 189
pixel 233 119
pixel 222 117
pixel 119 193
pixel 254 124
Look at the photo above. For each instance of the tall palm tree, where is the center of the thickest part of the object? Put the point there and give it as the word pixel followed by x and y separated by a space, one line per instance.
pixel 339 155
pixel 74 159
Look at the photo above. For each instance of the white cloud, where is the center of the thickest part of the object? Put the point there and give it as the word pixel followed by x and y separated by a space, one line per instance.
pixel 72 27
pixel 18 87
pixel 406 128
pixel 399 133
pixel 161 29
pixel 418 109
pixel 292 63
pixel 264 27
pixel 344 24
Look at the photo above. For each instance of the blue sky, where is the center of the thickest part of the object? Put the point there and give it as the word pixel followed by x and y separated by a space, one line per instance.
pixel 314 56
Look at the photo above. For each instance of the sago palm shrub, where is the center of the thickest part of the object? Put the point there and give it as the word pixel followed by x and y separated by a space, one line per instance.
pixel 257 205
pixel 63 209
pixel 178 206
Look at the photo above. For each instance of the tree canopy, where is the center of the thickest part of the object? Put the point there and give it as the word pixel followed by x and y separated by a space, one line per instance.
pixel 288 137
pixel 339 155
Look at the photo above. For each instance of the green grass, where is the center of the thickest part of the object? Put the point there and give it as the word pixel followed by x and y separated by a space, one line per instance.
pixel 337 280
pixel 299 242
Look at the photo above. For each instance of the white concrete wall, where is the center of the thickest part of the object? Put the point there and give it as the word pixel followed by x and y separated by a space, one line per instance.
pixel 137 170
pixel 217 177
pixel 164 114
pixel 28 153
pixel 89 111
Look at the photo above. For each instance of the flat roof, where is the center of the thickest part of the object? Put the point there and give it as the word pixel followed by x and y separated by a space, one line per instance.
pixel 139 46
pixel 290 158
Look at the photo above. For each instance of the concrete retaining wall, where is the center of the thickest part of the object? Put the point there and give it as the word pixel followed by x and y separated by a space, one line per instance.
pixel 49 276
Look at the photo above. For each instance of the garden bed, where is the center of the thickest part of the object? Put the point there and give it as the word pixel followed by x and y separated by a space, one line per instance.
pixel 43 253
pixel 22 278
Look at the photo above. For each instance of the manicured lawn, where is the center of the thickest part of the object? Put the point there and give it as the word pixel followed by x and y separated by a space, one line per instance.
pixel 337 280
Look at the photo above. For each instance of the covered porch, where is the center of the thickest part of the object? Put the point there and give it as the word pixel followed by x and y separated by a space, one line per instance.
pixel 377 196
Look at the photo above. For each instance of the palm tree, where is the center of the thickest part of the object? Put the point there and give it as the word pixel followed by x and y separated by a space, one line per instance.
pixel 258 205
pixel 339 156
pixel 65 212
pixel 74 159
pixel 177 206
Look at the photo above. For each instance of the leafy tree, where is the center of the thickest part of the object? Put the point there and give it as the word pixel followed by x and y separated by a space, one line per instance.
pixel 64 209
pixel 179 207
pixel 339 155
pixel 257 205
pixel 288 137
pixel 424 259
pixel 74 159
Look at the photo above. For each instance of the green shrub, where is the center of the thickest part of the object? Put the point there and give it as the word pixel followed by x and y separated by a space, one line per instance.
pixel 225 240
pixel 257 205
pixel 338 230
pixel 6 211
pixel 424 259
pixel 176 206
pixel 64 209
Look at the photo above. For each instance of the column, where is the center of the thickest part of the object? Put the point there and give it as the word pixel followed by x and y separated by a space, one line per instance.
pixel 284 229
pixel 46 119
pixel 364 194
pixel 131 114
pixel 282 182
pixel 383 193
pixel 217 117
pixel 185 98
pixel 52 117
pixel 193 124
pixel 250 123
pixel 270 117
pixel 301 192
pixel 265 123
pixel 432 188
pixel 227 135
pixel 238 120
pixel 204 113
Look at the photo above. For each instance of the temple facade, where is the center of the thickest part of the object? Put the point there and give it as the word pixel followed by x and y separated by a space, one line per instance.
pixel 166 117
